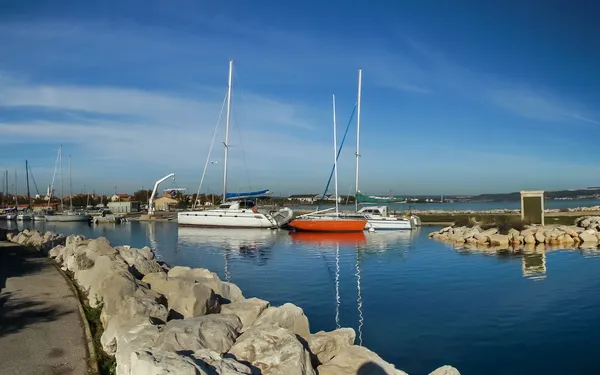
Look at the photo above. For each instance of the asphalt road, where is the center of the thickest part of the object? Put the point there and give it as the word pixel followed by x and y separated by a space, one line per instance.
pixel 41 332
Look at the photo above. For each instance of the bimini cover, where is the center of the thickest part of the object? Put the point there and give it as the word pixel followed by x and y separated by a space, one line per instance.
pixel 251 194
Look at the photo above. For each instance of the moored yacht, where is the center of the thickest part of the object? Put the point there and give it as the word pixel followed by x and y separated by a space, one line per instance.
pixel 378 219
pixel 238 210
pixel 235 214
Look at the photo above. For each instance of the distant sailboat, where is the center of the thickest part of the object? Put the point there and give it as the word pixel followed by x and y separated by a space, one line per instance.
pixel 69 216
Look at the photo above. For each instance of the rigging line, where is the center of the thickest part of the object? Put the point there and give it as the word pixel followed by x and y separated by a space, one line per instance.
pixel 52 184
pixel 236 122
pixel 33 178
pixel 339 152
pixel 210 151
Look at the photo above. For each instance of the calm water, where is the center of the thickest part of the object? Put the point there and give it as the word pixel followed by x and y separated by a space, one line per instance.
pixel 417 302
pixel 479 206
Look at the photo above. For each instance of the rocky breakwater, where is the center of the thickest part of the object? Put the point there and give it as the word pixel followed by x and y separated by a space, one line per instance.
pixel 34 239
pixel 182 321
pixel 585 232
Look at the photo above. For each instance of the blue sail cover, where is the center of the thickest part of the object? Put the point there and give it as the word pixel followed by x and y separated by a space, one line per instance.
pixel 251 194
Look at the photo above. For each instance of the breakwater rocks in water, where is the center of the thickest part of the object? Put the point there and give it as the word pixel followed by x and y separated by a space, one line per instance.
pixel 584 232
pixel 159 319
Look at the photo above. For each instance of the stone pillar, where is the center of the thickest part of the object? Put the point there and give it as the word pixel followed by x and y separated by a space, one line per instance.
pixel 532 206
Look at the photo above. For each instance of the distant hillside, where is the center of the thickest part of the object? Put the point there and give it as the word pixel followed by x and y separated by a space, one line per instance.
pixel 589 193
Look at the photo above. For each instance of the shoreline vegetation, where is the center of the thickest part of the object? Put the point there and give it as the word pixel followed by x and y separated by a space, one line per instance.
pixel 149 317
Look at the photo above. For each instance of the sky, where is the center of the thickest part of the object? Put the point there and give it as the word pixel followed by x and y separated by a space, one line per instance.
pixel 459 97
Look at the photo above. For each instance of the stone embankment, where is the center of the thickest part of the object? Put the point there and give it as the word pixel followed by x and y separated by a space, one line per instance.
pixel 179 320
pixel 591 209
pixel 585 232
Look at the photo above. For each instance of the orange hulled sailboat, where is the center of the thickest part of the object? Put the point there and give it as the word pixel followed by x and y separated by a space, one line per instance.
pixel 324 221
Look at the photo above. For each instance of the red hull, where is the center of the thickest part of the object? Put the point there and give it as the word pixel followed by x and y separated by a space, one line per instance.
pixel 350 238
pixel 328 225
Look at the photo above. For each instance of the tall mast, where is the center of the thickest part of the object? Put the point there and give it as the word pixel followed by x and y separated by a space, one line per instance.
pixel 62 191
pixel 335 157
pixel 28 193
pixel 70 187
pixel 227 130
pixel 358 133
pixel 16 193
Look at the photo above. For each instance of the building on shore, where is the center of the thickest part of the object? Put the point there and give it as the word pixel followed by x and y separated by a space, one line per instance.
pixel 165 203
pixel 120 198
pixel 124 207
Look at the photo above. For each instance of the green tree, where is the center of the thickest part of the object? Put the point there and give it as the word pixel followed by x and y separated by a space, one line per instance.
pixel 142 196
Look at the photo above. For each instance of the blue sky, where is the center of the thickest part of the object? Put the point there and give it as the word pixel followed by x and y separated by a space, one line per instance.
pixel 459 97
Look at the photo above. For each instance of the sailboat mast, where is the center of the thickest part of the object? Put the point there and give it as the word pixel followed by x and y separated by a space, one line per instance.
pixel 28 193
pixel 335 158
pixel 358 133
pixel 62 185
pixel 70 187
pixel 227 130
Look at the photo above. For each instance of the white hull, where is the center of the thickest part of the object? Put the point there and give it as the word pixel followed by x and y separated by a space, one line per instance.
pixel 25 217
pixel 225 219
pixel 58 218
pixel 11 216
pixel 389 224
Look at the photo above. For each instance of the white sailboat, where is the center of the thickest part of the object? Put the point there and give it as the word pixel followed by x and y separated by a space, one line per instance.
pixel 68 216
pixel 241 211
pixel 377 217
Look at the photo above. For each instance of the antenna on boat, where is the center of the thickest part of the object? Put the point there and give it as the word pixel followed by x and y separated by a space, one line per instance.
pixel 335 158
pixel 358 133
pixel 227 130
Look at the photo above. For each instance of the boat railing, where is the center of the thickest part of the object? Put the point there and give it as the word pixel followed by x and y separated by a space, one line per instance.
pixel 316 212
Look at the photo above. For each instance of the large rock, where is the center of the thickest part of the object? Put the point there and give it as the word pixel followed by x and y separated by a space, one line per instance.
pixel 221 366
pixel 287 316
pixel 121 331
pixel 588 236
pixel 358 360
pixel 539 236
pixel 499 240
pixel 139 304
pixel 273 350
pixel 326 345
pixel 215 332
pixel 445 370
pixel 185 297
pixel 247 310
pixel 486 233
pixel 157 362
pixel 132 338
pixel 529 239
pixel 106 282
pixel 141 262
pixel 227 291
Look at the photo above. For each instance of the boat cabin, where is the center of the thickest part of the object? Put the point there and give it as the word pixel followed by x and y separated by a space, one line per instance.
pixel 374 211
pixel 242 205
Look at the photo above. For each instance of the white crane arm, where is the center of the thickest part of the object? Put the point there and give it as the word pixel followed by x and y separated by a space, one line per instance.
pixel 151 202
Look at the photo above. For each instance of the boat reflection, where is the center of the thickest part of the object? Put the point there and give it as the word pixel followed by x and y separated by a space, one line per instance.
pixel 252 244
pixel 329 238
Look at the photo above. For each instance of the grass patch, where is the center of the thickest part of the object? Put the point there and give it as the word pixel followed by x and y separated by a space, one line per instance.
pixel 560 220
pixel 107 365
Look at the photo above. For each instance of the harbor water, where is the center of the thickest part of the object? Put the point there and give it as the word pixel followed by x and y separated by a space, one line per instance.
pixel 418 303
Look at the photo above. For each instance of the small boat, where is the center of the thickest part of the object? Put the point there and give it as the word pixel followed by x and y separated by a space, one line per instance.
pixel 378 219
pixel 25 216
pixel 321 221
pixel 11 215
pixel 64 217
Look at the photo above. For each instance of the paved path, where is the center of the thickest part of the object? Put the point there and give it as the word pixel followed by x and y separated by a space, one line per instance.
pixel 41 332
